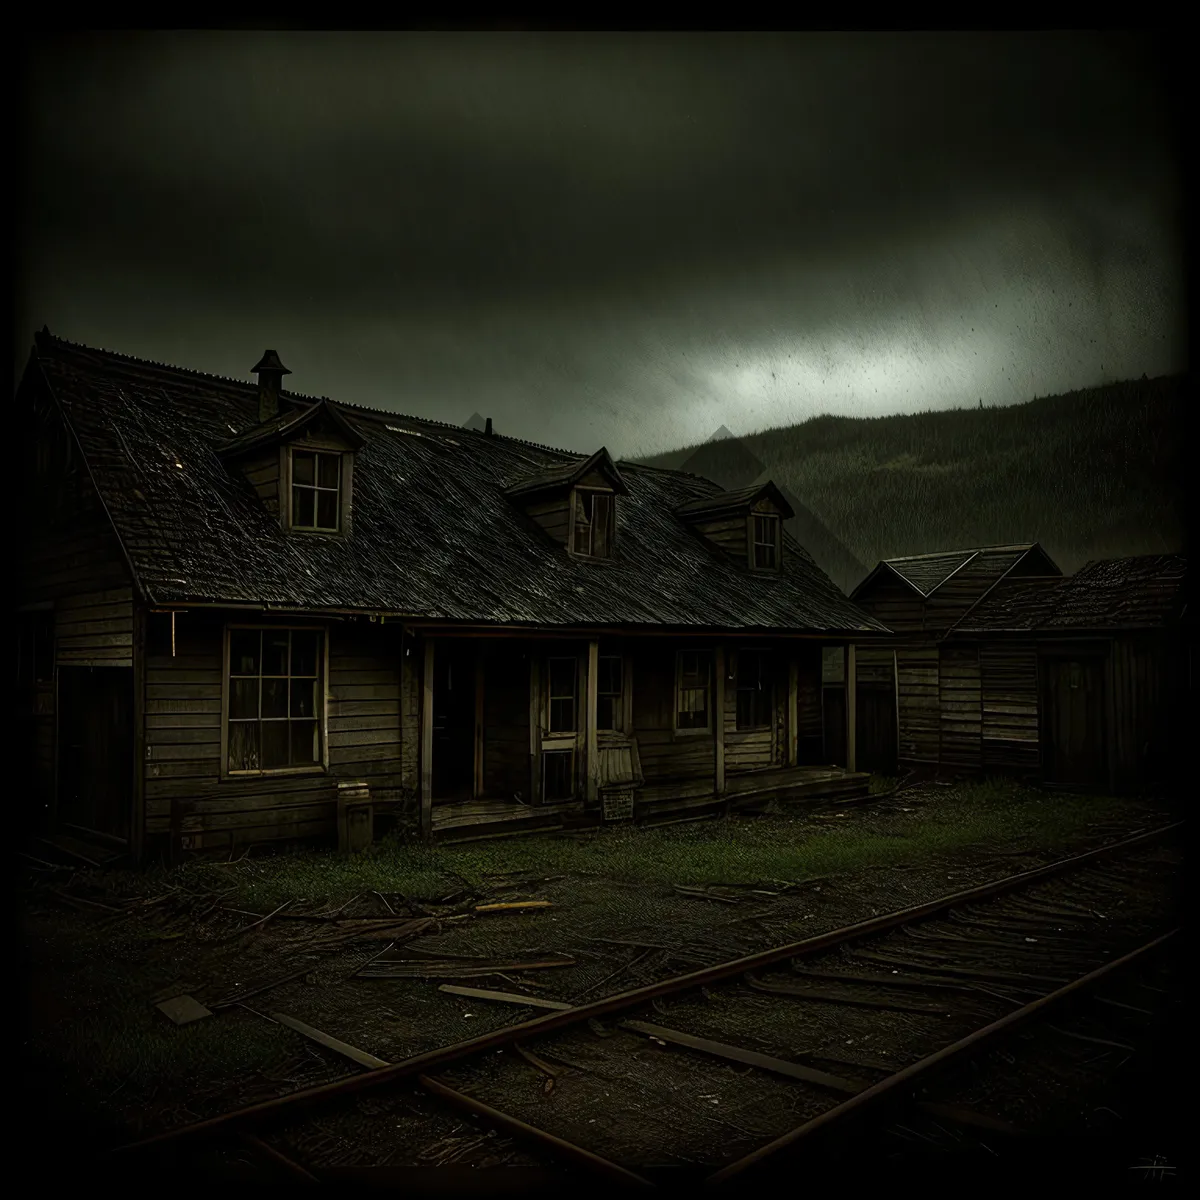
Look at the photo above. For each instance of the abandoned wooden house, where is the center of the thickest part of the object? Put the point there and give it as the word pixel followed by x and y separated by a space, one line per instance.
pixel 249 614
pixel 927 686
pixel 1083 684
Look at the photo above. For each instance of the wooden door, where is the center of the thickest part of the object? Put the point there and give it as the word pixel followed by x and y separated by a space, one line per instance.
pixel 875 737
pixel 1074 750
pixel 95 749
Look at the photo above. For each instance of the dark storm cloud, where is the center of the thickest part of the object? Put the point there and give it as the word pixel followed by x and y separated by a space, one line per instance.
pixel 620 221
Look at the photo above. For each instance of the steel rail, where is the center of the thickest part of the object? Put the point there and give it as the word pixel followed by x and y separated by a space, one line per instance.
pixel 422 1064
pixel 923 1067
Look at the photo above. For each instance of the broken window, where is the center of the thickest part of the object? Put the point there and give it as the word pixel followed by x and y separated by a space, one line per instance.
pixel 276 707
pixel 316 490
pixel 695 682
pixel 755 696
pixel 608 692
pixel 562 692
pixel 766 542
pixel 594 513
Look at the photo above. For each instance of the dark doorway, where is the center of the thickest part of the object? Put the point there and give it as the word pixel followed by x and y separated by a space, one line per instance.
pixel 833 708
pixel 95 748
pixel 453 721
pixel 875 733
pixel 1073 741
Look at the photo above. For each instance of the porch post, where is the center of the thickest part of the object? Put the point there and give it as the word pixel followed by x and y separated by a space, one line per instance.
pixel 137 826
pixel 427 741
pixel 592 751
pixel 793 717
pixel 535 723
pixel 851 674
pixel 477 784
pixel 719 719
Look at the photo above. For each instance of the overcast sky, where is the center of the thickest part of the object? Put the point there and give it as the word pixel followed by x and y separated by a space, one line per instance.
pixel 610 240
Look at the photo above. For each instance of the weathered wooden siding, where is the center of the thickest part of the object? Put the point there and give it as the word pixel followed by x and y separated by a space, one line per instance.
pixel 554 516
pixel 410 715
pixel 918 702
pixel 665 754
pixel 1009 696
pixel 961 719
pixel 262 470
pixel 365 702
pixel 506 721
pixel 1139 720
pixel 95 629
pixel 729 533
pixel 894 603
pixel 185 794
pixel 950 600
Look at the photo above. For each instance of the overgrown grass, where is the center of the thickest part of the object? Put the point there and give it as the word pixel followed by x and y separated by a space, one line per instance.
pixel 1090 474
pixel 735 850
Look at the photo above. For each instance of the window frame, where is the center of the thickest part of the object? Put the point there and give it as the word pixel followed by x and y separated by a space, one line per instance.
pixel 316 488
pixel 577 493
pixel 569 750
pixel 775 523
pixel 322 715
pixel 618 697
pixel 575 729
pixel 761 655
pixel 706 656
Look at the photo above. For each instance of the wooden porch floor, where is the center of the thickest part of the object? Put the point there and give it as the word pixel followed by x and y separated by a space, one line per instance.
pixel 656 802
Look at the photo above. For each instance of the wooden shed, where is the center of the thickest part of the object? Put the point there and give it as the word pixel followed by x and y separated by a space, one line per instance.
pixel 938 707
pixel 1085 683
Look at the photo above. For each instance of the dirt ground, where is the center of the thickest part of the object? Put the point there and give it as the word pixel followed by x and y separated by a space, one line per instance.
pixel 116 1064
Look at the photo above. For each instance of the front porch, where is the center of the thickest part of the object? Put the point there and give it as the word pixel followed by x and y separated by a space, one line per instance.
pixel 521 734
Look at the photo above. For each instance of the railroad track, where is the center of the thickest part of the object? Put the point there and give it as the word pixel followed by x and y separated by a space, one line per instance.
pixel 947 979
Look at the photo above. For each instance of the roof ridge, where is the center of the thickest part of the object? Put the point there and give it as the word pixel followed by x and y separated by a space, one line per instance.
pixel 308 397
pixel 969 550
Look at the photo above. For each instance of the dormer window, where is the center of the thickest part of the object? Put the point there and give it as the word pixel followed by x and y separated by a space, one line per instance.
pixel 316 490
pixel 764 546
pixel 593 523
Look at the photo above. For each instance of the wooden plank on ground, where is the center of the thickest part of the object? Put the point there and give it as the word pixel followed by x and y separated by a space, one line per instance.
pixel 320 1036
pixel 764 1062
pixel 504 997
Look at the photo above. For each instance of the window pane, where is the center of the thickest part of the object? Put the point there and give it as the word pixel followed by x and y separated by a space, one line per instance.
pixel 329 468
pixel 745 714
pixel 275 652
pixel 303 507
pixel 327 510
pixel 243 699
pixel 304 698
pixel 243 745
pixel 305 646
pixel 305 747
pixel 609 677
pixel 302 467
pixel 274 744
pixel 602 537
pixel 274 698
pixel 762 707
pixel 562 716
pixel 562 677
pixel 606 713
pixel 243 651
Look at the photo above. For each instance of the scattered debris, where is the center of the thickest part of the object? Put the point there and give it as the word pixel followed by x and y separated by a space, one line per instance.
pixel 512 905
pixel 752 1058
pixel 504 997
pixel 183 1010
pixel 384 968
pixel 257 989
pixel 255 924
pixel 331 1043
pixel 705 894
pixel 82 902
pixel 806 993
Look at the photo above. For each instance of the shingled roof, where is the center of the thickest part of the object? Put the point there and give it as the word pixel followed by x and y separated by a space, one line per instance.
pixel 925 573
pixel 434 536
pixel 1109 594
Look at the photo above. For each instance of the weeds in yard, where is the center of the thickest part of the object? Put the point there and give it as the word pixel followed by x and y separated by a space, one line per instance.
pixel 734 850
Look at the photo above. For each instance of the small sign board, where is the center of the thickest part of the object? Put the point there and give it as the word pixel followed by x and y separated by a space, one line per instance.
pixel 617 804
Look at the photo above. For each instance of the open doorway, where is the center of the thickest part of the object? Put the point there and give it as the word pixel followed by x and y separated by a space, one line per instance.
pixel 95 749
pixel 453 721
pixel 1073 727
